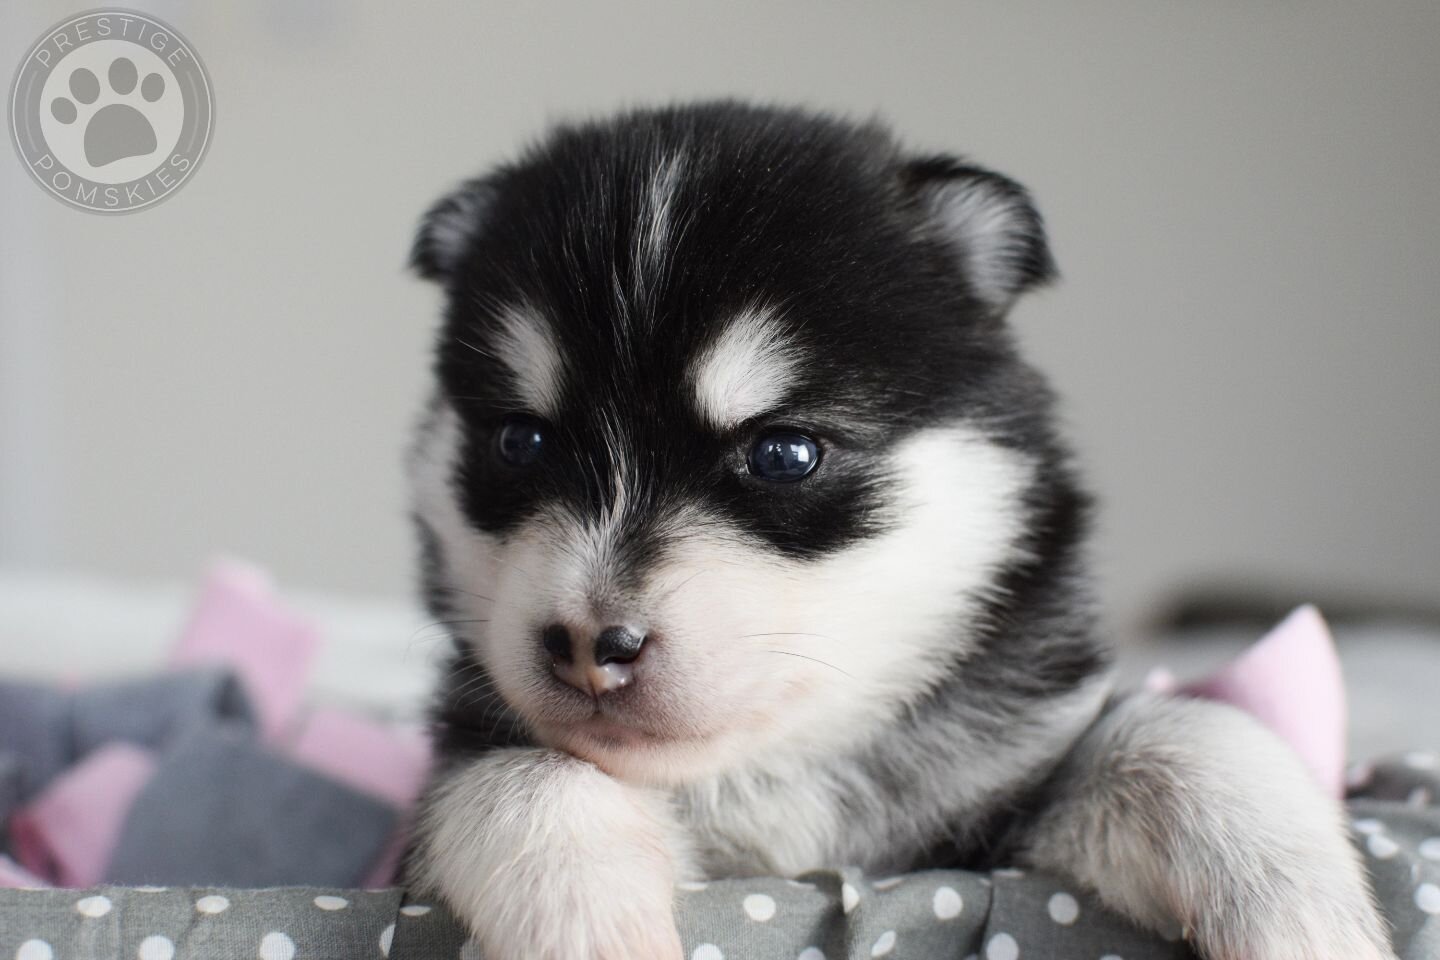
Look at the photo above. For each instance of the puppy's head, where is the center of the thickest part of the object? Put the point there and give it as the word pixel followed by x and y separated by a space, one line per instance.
pixel 729 446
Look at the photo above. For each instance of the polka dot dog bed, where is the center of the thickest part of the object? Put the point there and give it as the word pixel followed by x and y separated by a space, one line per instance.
pixel 829 915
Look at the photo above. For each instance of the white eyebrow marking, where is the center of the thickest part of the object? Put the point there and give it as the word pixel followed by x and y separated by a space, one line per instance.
pixel 747 370
pixel 524 343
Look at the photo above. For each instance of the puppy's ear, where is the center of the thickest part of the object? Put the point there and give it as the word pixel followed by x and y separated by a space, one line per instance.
pixel 989 221
pixel 449 228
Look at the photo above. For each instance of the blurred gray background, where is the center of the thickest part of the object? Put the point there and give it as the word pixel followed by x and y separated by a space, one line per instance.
pixel 1244 199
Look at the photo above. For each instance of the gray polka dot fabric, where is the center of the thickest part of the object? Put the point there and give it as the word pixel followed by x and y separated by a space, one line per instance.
pixel 827 915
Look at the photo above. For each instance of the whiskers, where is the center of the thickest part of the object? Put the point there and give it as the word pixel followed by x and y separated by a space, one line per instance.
pixel 803 656
pixel 440 633
pixel 823 663
pixel 670 592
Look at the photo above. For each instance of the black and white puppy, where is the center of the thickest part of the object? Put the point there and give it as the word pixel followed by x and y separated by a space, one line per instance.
pixel 761 555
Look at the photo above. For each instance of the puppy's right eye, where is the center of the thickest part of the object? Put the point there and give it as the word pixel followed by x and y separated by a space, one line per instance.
pixel 520 440
pixel 783 457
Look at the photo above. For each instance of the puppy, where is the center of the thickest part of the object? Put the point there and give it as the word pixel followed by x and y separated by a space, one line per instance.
pixel 761 554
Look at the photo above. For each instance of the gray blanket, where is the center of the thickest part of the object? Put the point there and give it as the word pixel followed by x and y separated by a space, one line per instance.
pixel 829 915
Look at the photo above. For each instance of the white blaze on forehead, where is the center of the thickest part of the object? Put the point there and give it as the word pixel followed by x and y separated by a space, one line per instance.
pixel 653 232
pixel 746 371
pixel 525 343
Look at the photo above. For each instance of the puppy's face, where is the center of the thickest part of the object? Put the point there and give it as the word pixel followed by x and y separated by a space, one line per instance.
pixel 728 442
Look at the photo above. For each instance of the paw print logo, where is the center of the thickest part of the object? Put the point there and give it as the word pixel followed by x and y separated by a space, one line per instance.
pixel 111 110
pixel 117 129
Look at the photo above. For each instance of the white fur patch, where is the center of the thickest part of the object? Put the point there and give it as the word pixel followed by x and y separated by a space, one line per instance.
pixel 747 370
pixel 523 342
pixel 991 231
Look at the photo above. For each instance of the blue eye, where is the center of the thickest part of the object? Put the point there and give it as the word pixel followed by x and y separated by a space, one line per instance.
pixel 520 440
pixel 783 457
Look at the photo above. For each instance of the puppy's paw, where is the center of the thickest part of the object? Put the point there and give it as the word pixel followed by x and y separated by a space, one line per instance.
pixel 1297 931
pixel 558 908
pixel 544 857
pixel 1178 811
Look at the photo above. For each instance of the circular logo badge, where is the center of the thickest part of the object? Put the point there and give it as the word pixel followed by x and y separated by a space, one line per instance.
pixel 111 111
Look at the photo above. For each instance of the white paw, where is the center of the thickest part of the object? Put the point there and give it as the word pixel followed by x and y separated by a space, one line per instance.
pixel 547 858
pixel 589 914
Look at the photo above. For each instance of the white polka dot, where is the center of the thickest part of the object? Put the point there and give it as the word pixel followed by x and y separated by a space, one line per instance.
pixel 1381 847
pixel 387 937
pixel 276 946
pixel 707 951
pixel 1112 956
pixel 1430 848
pixel 34 950
pixel 1420 797
pixel 801 884
pixel 1002 946
pixel 1427 897
pixel 759 907
pixel 212 904
pixel 415 910
pixel 692 886
pixel 1421 761
pixel 811 953
pixel 331 903
pixel 884 945
pixel 156 948
pixel 149 889
pixel 1368 825
pixel 1008 873
pixel 849 897
pixel 889 883
pixel 947 903
pixel 1063 909
pixel 93 906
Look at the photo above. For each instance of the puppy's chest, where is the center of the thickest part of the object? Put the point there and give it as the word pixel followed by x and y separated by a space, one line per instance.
pixel 806 819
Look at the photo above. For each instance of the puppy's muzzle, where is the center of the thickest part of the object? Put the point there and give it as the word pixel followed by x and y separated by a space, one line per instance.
pixel 597 667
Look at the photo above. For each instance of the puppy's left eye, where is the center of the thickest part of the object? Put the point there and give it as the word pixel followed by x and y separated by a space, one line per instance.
pixel 784 457
pixel 520 440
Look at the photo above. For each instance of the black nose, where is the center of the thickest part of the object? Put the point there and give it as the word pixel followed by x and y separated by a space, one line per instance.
pixel 618 645
pixel 557 642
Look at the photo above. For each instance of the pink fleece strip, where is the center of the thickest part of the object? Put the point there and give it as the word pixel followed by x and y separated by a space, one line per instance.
pixel 386 762
pixel 240 623
pixel 68 832
pixel 1291 681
